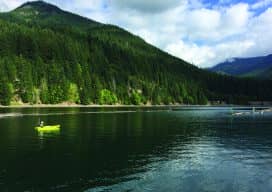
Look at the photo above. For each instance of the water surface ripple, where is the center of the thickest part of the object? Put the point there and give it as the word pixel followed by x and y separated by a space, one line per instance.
pixel 136 149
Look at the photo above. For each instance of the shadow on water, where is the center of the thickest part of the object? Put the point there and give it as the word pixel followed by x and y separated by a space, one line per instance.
pixel 105 149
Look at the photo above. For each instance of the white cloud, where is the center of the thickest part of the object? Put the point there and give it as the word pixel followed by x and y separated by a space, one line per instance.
pixel 191 52
pixel 202 24
pixel 3 6
pixel 7 5
pixel 261 4
pixel 146 5
pixel 237 16
pixel 260 31
pixel 205 56
pixel 80 5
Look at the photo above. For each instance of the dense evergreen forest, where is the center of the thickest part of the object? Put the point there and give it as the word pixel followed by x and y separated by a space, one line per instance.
pixel 51 56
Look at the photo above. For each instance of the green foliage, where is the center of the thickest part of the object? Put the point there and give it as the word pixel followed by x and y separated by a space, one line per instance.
pixel 44 92
pixel 136 98
pixel 25 84
pixel 106 97
pixel 202 99
pixel 55 94
pixel 73 94
pixel 6 93
pixel 36 96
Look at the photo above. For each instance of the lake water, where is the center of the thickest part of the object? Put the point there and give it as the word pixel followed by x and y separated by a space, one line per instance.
pixel 136 149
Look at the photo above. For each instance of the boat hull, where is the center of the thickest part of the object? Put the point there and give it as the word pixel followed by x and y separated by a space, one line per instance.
pixel 48 128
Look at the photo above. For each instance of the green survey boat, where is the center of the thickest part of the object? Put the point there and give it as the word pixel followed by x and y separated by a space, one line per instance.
pixel 48 128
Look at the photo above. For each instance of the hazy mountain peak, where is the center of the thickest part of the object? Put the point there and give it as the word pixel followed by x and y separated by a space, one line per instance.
pixel 230 60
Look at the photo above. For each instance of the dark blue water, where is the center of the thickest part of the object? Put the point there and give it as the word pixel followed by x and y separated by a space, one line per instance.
pixel 136 149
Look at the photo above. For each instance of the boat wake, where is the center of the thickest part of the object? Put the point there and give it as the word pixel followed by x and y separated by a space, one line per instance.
pixel 254 112
pixel 5 115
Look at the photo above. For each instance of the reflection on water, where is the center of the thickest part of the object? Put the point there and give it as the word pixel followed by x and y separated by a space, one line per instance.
pixel 139 150
pixel 45 135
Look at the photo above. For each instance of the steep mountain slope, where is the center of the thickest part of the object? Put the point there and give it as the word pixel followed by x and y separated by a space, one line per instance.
pixel 245 67
pixel 49 55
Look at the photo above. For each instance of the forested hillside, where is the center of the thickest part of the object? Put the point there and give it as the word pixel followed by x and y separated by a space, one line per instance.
pixel 51 56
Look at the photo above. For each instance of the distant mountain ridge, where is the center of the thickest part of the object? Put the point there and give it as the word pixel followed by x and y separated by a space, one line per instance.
pixel 246 67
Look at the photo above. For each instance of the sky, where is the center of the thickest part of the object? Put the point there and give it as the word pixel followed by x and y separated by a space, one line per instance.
pixel 202 32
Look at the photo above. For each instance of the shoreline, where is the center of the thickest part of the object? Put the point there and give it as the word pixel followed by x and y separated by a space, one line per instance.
pixel 93 106
pixel 122 106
